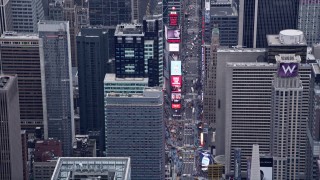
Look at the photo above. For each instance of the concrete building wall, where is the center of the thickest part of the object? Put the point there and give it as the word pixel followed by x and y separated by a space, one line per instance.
pixel 225 55
pixel 135 128
pixel 26 14
pixel 11 165
pixel 309 21
pixel 248 109
pixel 20 55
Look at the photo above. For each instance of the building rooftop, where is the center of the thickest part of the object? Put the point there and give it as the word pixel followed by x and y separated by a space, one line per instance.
pixel 129 30
pixel 19 35
pixel 241 49
pixel 289 37
pixel 223 11
pixel 111 78
pixel 68 168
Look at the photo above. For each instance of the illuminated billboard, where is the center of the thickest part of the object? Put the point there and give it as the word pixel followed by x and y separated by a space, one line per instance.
pixel 174 47
pixel 173 19
pixel 176 97
pixel 176 68
pixel 288 70
pixel 176 82
pixel 176 106
pixel 266 168
pixel 173 35
pixel 174 56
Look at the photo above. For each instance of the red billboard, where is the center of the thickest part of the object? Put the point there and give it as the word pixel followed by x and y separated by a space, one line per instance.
pixel 173 19
pixel 176 83
pixel 176 106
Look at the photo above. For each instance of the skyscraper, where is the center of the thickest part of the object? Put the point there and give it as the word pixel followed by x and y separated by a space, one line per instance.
pixel 66 11
pixel 245 101
pixel 225 17
pixel 153 49
pixel 5 16
pixel 209 104
pixel 135 128
pixel 92 49
pixel 20 55
pixel 309 21
pixel 10 138
pixel 286 119
pixel 55 54
pixel 261 17
pixel 109 12
pixel 313 131
pixel 129 49
pixel 26 14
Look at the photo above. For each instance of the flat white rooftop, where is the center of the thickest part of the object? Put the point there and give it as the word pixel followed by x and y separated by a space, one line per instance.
pixel 111 78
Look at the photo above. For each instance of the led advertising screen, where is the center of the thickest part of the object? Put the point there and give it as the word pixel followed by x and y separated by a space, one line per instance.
pixel 173 35
pixel 173 19
pixel 174 47
pixel 176 82
pixel 266 168
pixel 176 68
pixel 176 97
pixel 176 106
pixel 287 70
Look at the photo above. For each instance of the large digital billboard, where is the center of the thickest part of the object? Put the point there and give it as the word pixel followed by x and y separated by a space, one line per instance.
pixel 174 56
pixel 176 106
pixel 266 168
pixel 173 19
pixel 176 97
pixel 286 70
pixel 176 83
pixel 176 68
pixel 174 47
pixel 173 35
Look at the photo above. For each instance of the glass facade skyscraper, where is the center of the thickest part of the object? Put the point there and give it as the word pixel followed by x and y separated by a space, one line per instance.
pixel 109 12
pixel 261 17
pixel 92 49
pixel 55 56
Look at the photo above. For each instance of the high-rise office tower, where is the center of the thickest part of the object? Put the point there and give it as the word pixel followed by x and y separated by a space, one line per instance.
pixel 129 50
pixel 26 14
pixel 135 128
pixel 309 21
pixel 92 49
pixel 66 11
pixel 286 119
pixel 110 12
pixel 153 49
pixel 246 100
pixel 313 131
pixel 55 55
pixel 209 104
pixel 10 138
pixel 5 16
pixel 20 55
pixel 224 16
pixel 261 17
